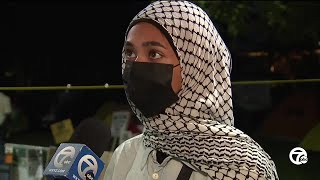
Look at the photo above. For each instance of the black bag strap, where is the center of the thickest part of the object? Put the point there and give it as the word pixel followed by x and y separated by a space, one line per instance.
pixel 185 173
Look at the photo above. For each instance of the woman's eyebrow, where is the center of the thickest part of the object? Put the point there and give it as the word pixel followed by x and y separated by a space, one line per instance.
pixel 153 43
pixel 147 43
pixel 129 44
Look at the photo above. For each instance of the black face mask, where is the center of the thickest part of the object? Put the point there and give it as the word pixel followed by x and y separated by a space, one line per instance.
pixel 148 86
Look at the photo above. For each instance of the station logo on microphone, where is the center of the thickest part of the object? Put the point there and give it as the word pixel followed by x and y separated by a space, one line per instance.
pixel 74 161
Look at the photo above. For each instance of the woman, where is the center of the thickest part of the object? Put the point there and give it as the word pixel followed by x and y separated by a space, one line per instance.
pixel 176 69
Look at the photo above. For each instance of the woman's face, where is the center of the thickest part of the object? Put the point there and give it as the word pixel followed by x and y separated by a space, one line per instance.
pixel 146 43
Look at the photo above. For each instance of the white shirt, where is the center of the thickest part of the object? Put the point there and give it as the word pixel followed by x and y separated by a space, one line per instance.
pixel 133 161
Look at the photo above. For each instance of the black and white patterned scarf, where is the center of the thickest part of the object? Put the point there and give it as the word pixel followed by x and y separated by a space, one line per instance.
pixel 198 128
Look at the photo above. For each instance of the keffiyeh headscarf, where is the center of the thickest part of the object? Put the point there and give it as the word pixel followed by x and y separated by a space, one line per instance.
pixel 198 129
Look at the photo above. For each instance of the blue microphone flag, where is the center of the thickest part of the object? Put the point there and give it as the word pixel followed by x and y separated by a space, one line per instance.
pixel 74 161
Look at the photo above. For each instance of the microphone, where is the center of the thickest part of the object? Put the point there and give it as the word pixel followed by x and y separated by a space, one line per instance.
pixel 74 161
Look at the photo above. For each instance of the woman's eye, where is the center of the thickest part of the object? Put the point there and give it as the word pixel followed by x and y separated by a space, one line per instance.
pixel 155 55
pixel 129 54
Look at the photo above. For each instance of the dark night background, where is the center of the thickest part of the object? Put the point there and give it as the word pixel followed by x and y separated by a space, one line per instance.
pixel 55 44
pixel 60 43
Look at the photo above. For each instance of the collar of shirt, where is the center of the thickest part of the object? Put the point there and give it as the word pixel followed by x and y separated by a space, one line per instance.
pixel 145 156
pixel 149 151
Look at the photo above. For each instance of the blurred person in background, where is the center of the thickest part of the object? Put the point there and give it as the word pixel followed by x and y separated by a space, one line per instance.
pixel 94 133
